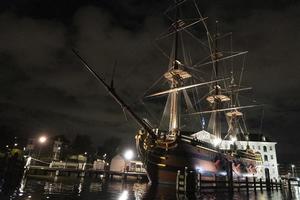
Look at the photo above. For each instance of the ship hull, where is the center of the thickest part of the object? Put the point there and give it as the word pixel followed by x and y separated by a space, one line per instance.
pixel 163 164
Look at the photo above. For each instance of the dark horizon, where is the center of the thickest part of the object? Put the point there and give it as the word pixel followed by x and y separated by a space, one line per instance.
pixel 44 88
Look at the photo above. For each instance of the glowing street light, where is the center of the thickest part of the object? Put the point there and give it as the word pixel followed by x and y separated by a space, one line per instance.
pixel 128 154
pixel 293 170
pixel 42 139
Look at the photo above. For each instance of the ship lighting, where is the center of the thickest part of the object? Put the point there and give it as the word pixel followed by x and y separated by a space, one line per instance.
pixel 199 169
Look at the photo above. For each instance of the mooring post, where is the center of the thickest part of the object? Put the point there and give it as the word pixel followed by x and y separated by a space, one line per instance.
pixel 230 177
pixel 199 181
pixel 289 185
pixel 276 185
pixel 254 184
pixel 177 180
pixel 280 184
pixel 272 184
pixel 261 186
pixel 185 176
pixel 216 180
pixel 239 184
pixel 247 185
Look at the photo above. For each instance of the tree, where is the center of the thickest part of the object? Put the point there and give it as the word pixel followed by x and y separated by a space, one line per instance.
pixel 110 148
pixel 81 144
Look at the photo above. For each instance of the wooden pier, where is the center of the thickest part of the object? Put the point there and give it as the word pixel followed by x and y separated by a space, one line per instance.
pixel 191 181
pixel 124 175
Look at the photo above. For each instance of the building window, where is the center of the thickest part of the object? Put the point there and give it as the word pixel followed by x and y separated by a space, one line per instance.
pixel 272 157
pixel 271 148
pixel 265 158
pixel 258 147
pixel 253 147
pixel 265 149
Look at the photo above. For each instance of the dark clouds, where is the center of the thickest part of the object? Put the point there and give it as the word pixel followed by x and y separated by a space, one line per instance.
pixel 44 87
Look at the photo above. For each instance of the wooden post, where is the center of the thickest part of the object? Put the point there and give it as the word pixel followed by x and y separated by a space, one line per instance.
pixel 280 182
pixel 177 180
pixel 254 184
pixel 185 176
pixel 199 181
pixel 230 177
pixel 215 183
pixel 239 184
pixel 289 185
pixel 261 186
pixel 247 185
pixel 272 186
pixel 276 185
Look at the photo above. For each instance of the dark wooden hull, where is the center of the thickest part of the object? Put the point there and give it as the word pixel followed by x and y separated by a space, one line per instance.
pixel 162 165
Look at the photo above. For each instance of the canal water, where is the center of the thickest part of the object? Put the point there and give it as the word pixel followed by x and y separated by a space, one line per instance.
pixel 43 188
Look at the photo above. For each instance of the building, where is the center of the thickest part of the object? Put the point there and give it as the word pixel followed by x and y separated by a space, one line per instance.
pixel 265 147
pixel 120 164
pixel 57 147
pixel 287 169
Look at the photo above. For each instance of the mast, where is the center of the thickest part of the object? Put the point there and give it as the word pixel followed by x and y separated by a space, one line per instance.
pixel 216 100
pixel 174 96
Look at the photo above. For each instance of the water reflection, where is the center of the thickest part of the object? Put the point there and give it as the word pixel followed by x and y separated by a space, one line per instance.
pixel 86 189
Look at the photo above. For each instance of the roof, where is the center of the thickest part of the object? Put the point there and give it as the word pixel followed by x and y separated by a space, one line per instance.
pixel 259 137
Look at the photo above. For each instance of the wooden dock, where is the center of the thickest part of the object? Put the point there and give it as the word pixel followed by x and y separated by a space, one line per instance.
pixel 191 181
pixel 124 175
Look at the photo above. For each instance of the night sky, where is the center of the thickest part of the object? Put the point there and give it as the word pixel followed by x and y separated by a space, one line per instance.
pixel 45 89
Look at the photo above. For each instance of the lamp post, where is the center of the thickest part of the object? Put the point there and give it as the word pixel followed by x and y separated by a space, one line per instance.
pixel 41 140
pixel 128 155
pixel 293 170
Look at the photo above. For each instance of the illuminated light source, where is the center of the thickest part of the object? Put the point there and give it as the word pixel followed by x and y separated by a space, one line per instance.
pixel 199 169
pixel 233 139
pixel 16 144
pixel 128 154
pixel 124 195
pixel 216 141
pixel 42 139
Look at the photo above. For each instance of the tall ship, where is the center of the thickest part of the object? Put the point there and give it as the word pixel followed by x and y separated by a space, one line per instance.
pixel 182 139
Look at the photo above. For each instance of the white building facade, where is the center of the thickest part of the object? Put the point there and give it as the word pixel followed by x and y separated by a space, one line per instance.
pixel 267 151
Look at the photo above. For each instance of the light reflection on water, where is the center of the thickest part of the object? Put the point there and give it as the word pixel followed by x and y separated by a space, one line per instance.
pixel 93 189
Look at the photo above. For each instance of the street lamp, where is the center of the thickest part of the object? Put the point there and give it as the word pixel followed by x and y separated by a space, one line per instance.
pixel 293 170
pixel 42 140
pixel 128 154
